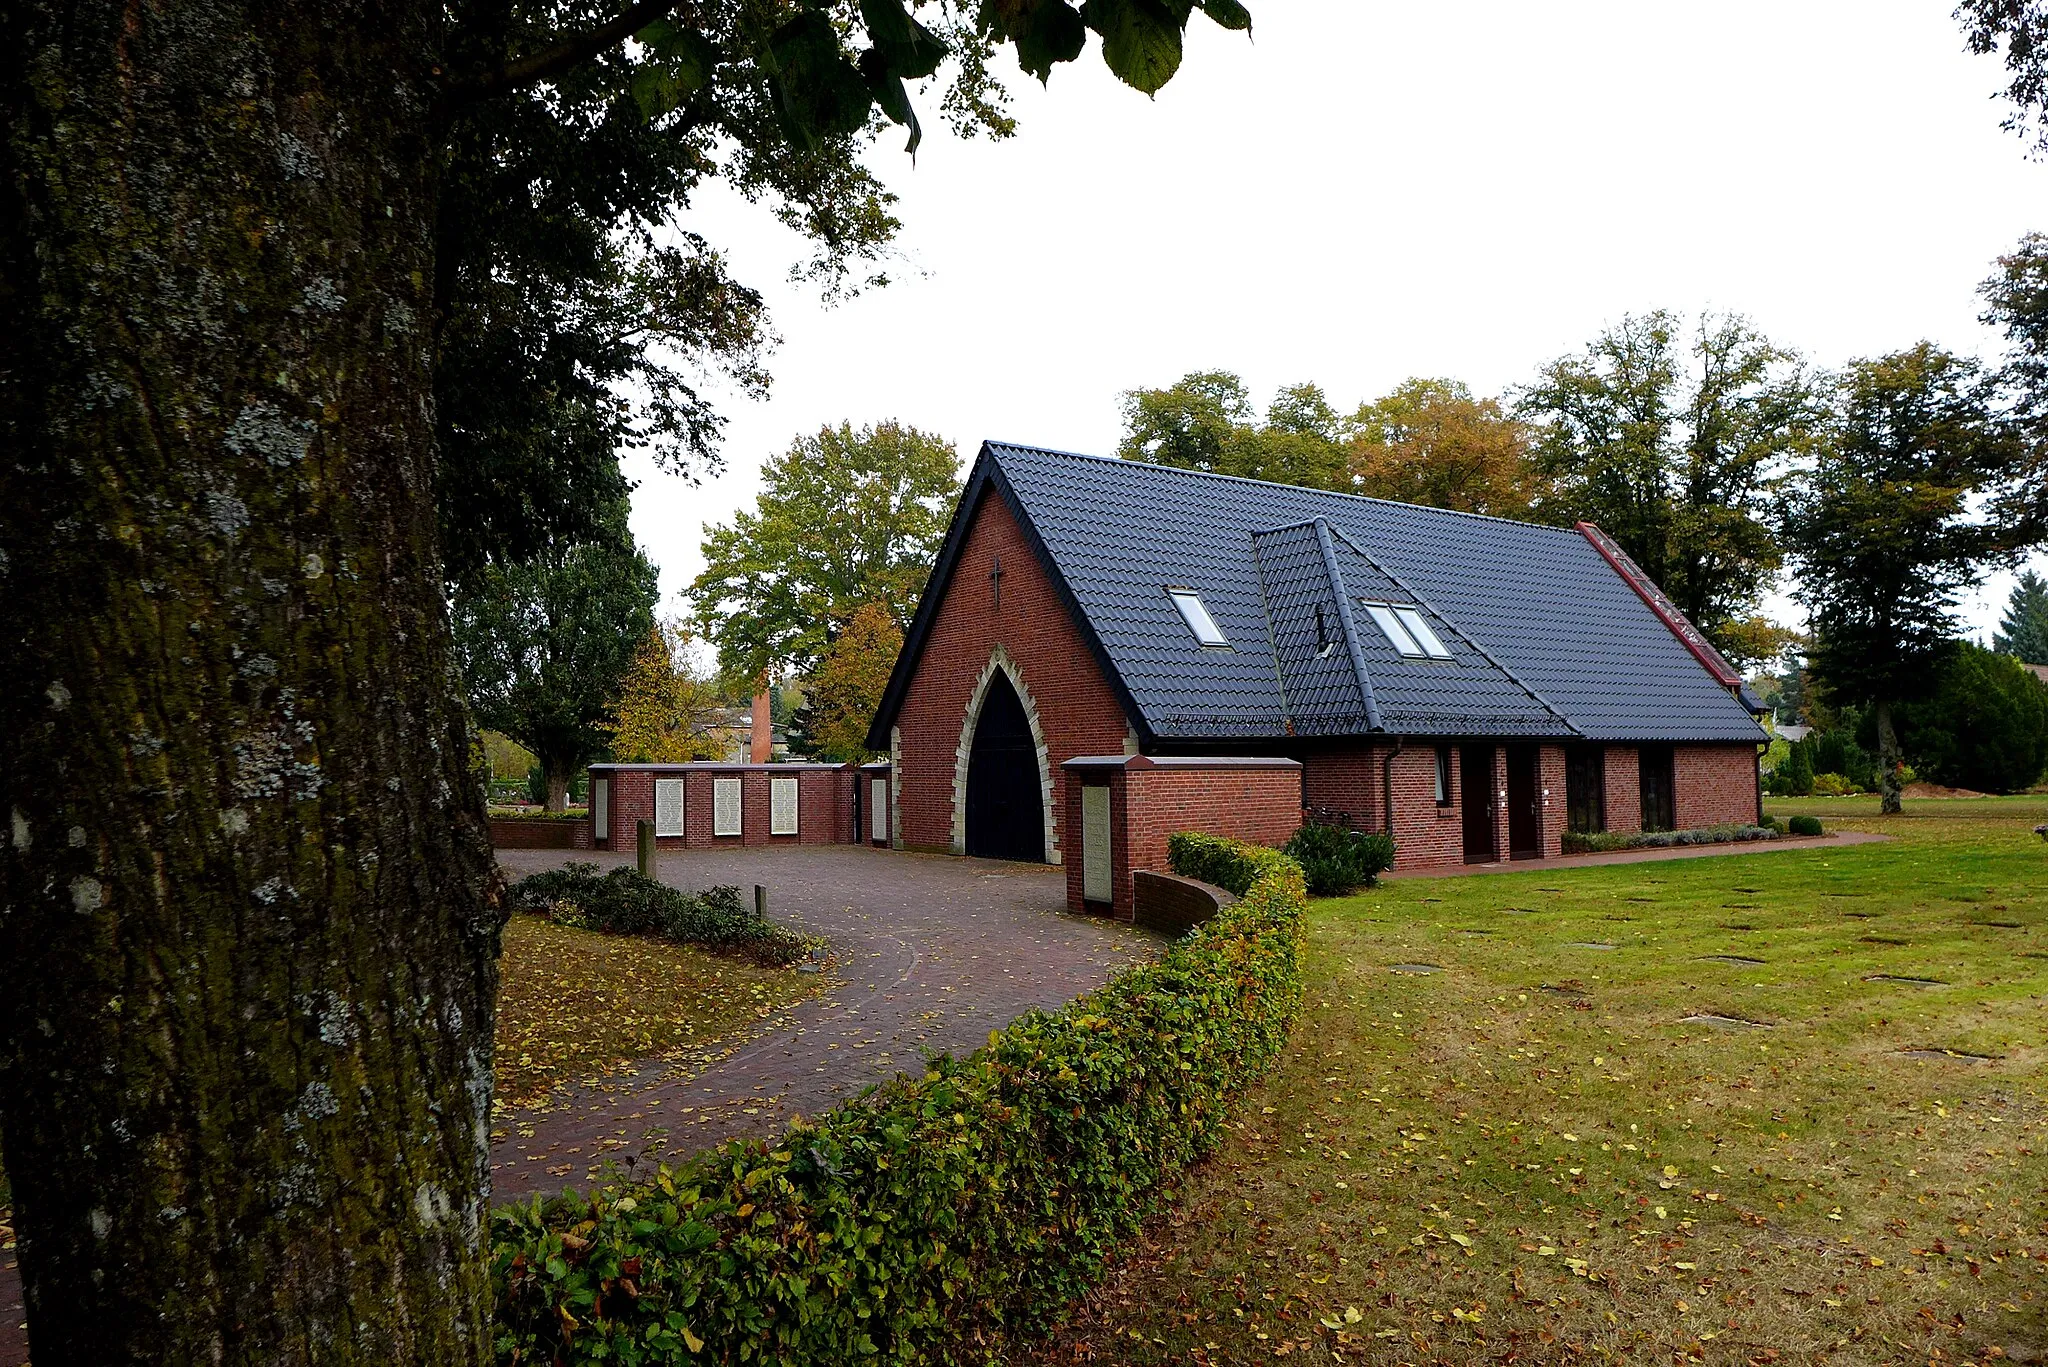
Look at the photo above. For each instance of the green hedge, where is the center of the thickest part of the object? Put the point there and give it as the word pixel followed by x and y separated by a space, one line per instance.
pixel 624 903
pixel 939 1213
pixel 1577 842
pixel 1337 859
pixel 1226 863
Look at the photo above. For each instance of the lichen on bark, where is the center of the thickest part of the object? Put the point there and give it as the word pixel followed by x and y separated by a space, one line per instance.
pixel 248 928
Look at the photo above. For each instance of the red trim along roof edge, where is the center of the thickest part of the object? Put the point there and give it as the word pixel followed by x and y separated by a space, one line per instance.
pixel 1667 612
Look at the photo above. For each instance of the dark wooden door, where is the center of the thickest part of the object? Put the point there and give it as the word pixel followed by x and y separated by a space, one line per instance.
pixel 1525 805
pixel 1005 810
pixel 1654 771
pixel 1585 788
pixel 1475 790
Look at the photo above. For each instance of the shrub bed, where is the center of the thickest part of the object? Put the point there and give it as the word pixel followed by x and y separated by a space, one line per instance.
pixel 940 1213
pixel 1336 859
pixel 1577 842
pixel 1804 825
pixel 625 903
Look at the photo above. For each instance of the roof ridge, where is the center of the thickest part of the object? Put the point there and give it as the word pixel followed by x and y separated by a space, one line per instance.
pixel 1272 484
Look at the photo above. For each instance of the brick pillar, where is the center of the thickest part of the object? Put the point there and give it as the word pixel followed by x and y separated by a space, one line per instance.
pixel 761 738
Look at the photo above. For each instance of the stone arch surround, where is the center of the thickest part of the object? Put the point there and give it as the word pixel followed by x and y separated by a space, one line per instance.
pixel 1001 659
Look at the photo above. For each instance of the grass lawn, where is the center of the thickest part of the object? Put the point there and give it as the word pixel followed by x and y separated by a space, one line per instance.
pixel 576 1004
pixel 1533 1155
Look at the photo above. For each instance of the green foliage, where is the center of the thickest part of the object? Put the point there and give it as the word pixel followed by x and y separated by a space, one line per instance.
pixel 624 903
pixel 848 517
pixel 2023 632
pixel 542 647
pixel 1601 842
pixel 841 698
pixel 1206 422
pixel 1672 448
pixel 1797 774
pixel 1804 825
pixel 1221 861
pixel 1885 526
pixel 1335 859
pixel 1984 727
pixel 942 1211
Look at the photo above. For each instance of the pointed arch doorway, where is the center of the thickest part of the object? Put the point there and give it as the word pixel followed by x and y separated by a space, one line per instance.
pixel 1005 809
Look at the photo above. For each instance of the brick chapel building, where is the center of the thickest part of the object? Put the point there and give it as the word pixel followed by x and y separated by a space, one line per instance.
pixel 1108 651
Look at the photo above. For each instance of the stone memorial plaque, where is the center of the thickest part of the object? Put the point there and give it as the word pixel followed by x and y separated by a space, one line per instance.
pixel 601 808
pixel 668 806
pixel 782 806
pixel 1096 875
pixel 878 808
pixel 725 806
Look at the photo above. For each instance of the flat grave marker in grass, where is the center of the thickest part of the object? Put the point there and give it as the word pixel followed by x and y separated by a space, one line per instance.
pixel 1947 1056
pixel 1903 979
pixel 1416 969
pixel 1730 959
pixel 1589 944
pixel 1720 1022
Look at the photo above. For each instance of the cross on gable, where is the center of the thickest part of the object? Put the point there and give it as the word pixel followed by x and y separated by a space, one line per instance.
pixel 995 579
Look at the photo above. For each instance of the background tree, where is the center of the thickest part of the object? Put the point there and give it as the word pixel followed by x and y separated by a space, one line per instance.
pixel 1206 422
pixel 2016 301
pixel 845 518
pixel 666 711
pixel 1885 533
pixel 841 697
pixel 220 562
pixel 1983 727
pixel 2023 631
pixel 1672 446
pixel 1432 442
pixel 545 646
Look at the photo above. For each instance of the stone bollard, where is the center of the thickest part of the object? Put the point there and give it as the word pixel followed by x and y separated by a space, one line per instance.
pixel 645 830
pixel 760 902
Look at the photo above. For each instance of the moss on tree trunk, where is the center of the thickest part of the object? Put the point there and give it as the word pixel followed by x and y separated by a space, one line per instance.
pixel 248 933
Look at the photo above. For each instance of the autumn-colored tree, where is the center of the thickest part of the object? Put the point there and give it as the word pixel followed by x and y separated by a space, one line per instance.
pixel 847 688
pixel 665 711
pixel 1432 442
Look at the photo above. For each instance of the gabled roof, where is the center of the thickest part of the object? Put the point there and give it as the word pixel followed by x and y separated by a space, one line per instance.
pixel 1548 637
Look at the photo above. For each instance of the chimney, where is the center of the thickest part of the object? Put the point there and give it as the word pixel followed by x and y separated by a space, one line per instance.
pixel 762 733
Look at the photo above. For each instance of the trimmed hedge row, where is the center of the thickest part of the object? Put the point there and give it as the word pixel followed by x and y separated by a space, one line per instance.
pixel 940 1213
pixel 1578 842
pixel 624 903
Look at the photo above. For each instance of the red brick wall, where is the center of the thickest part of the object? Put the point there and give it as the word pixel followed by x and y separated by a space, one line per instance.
pixel 1353 782
pixel 1078 712
pixel 1624 787
pixel 824 807
pixel 1550 785
pixel 1149 802
pixel 1714 784
pixel 536 833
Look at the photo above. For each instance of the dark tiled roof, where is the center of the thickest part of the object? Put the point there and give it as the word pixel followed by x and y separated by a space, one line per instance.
pixel 1548 639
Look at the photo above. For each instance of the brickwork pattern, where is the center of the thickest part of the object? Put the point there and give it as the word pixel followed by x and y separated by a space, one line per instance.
pixel 1079 713
pixel 1149 803
pixel 534 833
pixel 1624 789
pixel 824 807
pixel 1716 784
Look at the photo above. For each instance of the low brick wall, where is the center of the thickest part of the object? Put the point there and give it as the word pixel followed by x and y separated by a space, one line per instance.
pixel 538 833
pixel 1257 801
pixel 1173 905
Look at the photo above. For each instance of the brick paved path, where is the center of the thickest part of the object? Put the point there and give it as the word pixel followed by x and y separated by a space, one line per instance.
pixel 928 952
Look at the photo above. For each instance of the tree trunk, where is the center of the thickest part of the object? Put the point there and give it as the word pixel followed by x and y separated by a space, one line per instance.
pixel 248 929
pixel 558 789
pixel 1888 759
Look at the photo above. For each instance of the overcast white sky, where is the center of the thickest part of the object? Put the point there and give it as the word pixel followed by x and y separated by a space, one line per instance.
pixel 1362 192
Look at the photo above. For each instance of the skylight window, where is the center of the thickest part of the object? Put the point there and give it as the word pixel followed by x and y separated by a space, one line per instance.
pixel 1432 645
pixel 1196 614
pixel 1408 631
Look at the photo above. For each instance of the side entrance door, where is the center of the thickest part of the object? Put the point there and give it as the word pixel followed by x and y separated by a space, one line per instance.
pixel 1525 809
pixel 1475 790
pixel 1005 809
